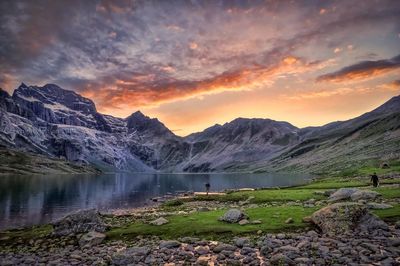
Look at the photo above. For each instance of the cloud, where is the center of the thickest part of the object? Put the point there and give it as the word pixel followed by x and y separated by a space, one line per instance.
pixel 136 90
pixel 143 53
pixel 391 86
pixel 362 70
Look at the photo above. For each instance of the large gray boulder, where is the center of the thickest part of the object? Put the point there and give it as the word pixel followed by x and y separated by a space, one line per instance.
pixel 364 195
pixel 346 217
pixel 342 194
pixel 80 222
pixel 233 216
pixel 92 238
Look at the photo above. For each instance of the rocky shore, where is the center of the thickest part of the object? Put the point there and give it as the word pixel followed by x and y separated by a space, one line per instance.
pixel 341 231
pixel 307 248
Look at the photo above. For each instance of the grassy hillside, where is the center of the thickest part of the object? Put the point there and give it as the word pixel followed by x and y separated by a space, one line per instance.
pixel 17 162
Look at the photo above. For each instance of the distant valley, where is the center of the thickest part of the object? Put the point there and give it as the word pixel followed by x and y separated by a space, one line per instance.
pixel 63 126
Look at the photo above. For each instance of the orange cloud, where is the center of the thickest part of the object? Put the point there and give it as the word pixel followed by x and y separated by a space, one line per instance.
pixel 145 90
pixel 391 86
pixel 362 70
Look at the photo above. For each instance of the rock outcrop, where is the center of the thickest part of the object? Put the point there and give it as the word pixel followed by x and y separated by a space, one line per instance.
pixel 80 222
pixel 364 195
pixel 345 218
pixel 342 194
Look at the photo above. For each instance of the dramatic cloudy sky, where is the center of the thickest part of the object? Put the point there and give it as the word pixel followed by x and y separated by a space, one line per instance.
pixel 196 63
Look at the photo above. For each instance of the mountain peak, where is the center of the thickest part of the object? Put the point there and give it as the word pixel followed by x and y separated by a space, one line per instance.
pixel 23 86
pixel 139 121
pixel 52 94
pixel 138 114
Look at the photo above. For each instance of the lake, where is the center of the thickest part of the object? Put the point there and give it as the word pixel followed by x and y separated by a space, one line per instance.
pixel 29 200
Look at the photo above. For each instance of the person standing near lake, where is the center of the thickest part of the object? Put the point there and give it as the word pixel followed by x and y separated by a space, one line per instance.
pixel 375 180
pixel 207 188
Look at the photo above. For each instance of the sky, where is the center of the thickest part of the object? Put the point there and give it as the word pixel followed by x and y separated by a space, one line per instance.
pixel 193 64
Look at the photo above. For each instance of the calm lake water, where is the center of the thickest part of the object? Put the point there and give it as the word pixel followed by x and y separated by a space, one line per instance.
pixel 28 200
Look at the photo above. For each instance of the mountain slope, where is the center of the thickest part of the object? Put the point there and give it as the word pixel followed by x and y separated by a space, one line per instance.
pixel 343 145
pixel 224 148
pixel 61 124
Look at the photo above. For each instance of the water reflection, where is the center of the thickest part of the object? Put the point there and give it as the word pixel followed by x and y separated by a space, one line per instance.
pixel 26 200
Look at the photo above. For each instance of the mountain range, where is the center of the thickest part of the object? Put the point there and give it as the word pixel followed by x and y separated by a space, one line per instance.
pixel 60 125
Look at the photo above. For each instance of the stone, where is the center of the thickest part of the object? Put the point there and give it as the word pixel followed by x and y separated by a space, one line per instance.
pixel 397 225
pixel 307 219
pixel 130 256
pixel 170 244
pixel 233 262
pixel 342 194
pixel 90 239
pixel 370 223
pixel 202 261
pixel 159 221
pixel 256 222
pixel 242 241
pixel 80 222
pixel 233 216
pixel 302 260
pixel 244 222
pixel 364 195
pixel 342 218
pixel 224 247
pixel 378 206
pixel 281 236
pixel 395 242
pixel 289 220
pixel 281 259
pixel 202 250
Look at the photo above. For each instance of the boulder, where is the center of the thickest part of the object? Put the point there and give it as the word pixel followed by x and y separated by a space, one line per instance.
pixel 370 223
pixel 80 222
pixel 342 194
pixel 346 217
pixel 242 241
pixel 92 238
pixel 364 195
pixel 170 244
pixel 233 216
pixel 159 221
pixel 130 256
